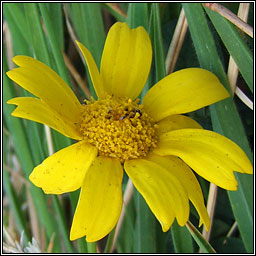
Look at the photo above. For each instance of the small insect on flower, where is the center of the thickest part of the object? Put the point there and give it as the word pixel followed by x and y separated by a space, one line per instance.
pixel 123 117
pixel 135 112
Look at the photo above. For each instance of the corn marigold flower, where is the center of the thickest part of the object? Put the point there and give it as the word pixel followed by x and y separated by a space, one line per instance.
pixel 153 142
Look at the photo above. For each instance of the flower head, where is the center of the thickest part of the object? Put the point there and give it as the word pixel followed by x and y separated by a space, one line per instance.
pixel 153 142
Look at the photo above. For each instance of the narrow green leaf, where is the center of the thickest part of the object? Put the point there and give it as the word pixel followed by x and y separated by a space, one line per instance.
pixel 109 241
pixel 117 15
pixel 225 119
pixel 137 15
pixel 54 42
pixel 19 136
pixel 15 206
pixel 42 53
pixel 91 247
pixel 181 239
pixel 20 45
pixel 235 45
pixel 16 10
pixel 156 37
pixel 62 223
pixel 202 243
pixel 88 24
pixel 55 12
pixel 145 235
pixel 36 33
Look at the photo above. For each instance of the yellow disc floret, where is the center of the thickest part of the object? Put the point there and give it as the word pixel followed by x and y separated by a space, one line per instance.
pixel 118 127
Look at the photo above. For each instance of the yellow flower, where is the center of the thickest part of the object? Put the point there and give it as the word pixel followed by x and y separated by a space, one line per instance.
pixel 153 142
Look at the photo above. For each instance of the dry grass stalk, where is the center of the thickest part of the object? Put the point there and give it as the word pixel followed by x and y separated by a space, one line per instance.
pixel 232 67
pixel 211 202
pixel 176 43
pixel 70 67
pixel 81 83
pixel 231 17
pixel 126 200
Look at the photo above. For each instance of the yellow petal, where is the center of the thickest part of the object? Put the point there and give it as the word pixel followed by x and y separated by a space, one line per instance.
pixel 43 82
pixel 126 60
pixel 162 191
pixel 210 154
pixel 186 177
pixel 183 91
pixel 100 200
pixel 93 70
pixel 64 171
pixel 36 110
pixel 176 122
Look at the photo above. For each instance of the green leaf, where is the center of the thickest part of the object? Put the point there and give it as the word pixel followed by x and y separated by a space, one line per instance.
pixel 137 15
pixel 61 219
pixel 117 15
pixel 235 45
pixel 181 239
pixel 54 42
pixel 156 38
pixel 19 43
pixel 225 119
pixel 15 205
pixel 55 12
pixel 20 139
pixel 36 33
pixel 145 232
pixel 202 243
pixel 16 10
pixel 88 24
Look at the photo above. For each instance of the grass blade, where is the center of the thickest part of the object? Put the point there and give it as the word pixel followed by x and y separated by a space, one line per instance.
pixel 54 42
pixel 156 38
pixel 182 239
pixel 20 139
pixel 202 243
pixel 225 119
pixel 137 15
pixel 20 45
pixel 16 10
pixel 235 45
pixel 88 24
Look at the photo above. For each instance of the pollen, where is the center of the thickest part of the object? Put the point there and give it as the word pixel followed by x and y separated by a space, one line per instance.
pixel 118 127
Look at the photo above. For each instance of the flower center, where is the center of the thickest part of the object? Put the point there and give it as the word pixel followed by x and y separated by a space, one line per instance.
pixel 118 127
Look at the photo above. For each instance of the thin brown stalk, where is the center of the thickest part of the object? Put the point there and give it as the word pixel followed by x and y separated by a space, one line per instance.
pixel 127 198
pixel 223 11
pixel 70 67
pixel 34 222
pixel 230 232
pixel 232 67
pixel 176 43
pixel 82 84
pixel 211 202
pixel 8 45
pixel 51 244
pixel 15 174
pixel 49 139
